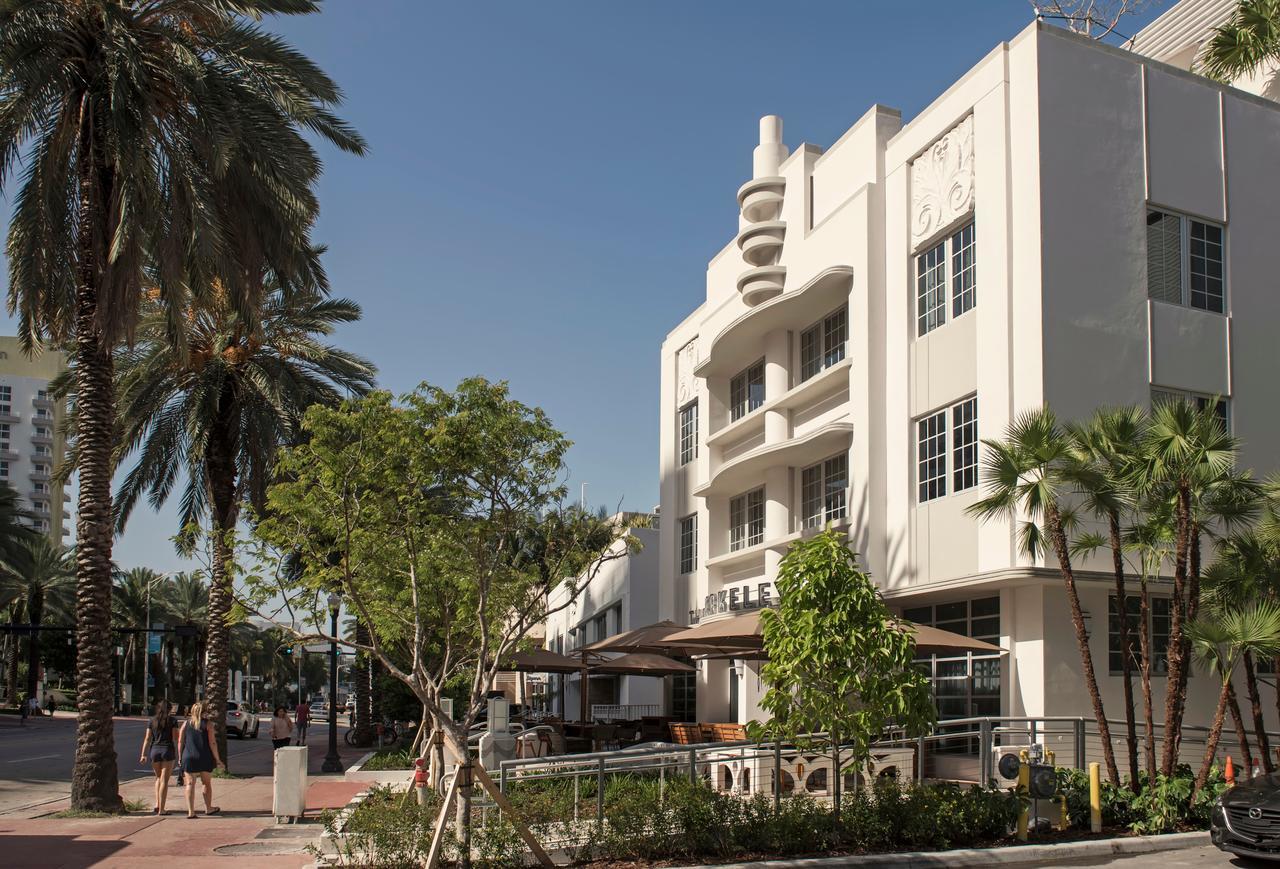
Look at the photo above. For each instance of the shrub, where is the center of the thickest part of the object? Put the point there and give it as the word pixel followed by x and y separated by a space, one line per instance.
pixel 390 760
pixel 384 831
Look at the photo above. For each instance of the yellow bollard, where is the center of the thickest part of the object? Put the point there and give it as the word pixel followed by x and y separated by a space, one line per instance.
pixel 1095 797
pixel 1024 786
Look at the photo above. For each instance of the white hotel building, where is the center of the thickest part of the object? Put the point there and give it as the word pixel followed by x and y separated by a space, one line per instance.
pixel 1070 224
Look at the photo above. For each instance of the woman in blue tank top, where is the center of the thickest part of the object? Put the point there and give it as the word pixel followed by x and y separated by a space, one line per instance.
pixel 198 748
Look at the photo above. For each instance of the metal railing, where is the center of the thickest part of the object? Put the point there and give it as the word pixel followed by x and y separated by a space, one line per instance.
pixel 609 712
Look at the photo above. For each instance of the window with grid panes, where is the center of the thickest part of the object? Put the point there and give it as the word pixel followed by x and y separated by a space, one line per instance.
pixel 1115 655
pixel 688 433
pixel 746 520
pixel 4 470
pixel 964 445
pixel 1161 618
pixel 746 391
pixel 965 684
pixel 1186 261
pixel 823 344
pixel 822 491
pixel 5 433
pixel 931 456
pixel 964 271
pixel 931 282
pixel 1222 409
pixel 689 543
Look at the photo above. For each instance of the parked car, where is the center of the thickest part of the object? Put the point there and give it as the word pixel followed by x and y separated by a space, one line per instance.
pixel 318 711
pixel 1246 819
pixel 242 720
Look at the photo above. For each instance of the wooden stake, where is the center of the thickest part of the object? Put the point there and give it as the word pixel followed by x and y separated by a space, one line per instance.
pixel 437 836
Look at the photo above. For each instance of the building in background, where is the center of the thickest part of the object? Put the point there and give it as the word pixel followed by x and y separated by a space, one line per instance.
pixel 621 597
pixel 31 440
pixel 1069 224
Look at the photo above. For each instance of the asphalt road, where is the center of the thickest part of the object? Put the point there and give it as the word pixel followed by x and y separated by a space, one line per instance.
pixel 36 760
pixel 1206 857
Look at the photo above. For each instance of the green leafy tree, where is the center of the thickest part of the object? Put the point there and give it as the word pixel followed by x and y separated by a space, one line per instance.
pixel 1220 641
pixel 162 143
pixel 1034 472
pixel 414 510
pixel 1249 39
pixel 839 662
pixel 216 407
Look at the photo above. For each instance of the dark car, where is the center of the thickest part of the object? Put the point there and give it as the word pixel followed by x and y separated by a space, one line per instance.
pixel 1246 820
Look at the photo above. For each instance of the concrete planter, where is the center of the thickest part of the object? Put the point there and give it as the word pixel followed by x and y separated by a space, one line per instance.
pixel 385 776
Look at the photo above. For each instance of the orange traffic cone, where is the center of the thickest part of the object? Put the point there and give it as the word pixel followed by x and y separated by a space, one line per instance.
pixel 1230 773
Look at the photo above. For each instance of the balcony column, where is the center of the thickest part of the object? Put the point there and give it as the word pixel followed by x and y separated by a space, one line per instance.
pixel 777 353
pixel 777 505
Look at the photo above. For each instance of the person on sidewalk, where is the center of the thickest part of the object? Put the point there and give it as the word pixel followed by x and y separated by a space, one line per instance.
pixel 281 727
pixel 49 704
pixel 198 748
pixel 302 717
pixel 23 711
pixel 157 746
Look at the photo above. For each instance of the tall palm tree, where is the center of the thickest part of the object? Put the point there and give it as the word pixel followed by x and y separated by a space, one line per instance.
pixel 187 603
pixel 220 411
pixel 47 582
pixel 1187 455
pixel 1151 541
pixel 163 144
pixel 1220 641
pixel 1106 443
pixel 15 534
pixel 138 595
pixel 1247 40
pixel 1030 473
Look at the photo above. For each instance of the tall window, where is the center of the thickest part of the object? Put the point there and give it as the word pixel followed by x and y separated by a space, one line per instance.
pixel 964 445
pixel 960 252
pixel 931 450
pixel 688 432
pixel 822 344
pixel 1185 261
pixel 746 520
pixel 822 491
pixel 6 396
pixel 1158 633
pixel 963 684
pixel 689 543
pixel 746 391
pixel 1221 408
pixel 5 432
pixel 4 470
pixel 964 271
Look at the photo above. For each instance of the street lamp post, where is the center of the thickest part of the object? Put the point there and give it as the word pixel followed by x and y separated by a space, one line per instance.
pixel 332 762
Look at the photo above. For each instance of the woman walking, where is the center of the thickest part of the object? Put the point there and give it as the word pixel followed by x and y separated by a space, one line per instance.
pixel 157 746
pixel 281 727
pixel 198 748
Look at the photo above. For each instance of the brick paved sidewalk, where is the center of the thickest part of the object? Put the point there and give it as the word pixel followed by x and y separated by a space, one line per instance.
pixel 245 830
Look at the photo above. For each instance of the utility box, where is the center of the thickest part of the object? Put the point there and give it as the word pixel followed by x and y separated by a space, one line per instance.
pixel 289 791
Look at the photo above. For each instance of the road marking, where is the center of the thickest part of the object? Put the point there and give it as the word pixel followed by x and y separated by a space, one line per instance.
pixel 25 759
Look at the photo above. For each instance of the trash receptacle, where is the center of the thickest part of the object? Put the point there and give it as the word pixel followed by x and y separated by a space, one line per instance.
pixel 289 791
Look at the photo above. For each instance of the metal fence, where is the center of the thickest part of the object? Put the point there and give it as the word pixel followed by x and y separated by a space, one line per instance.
pixel 609 712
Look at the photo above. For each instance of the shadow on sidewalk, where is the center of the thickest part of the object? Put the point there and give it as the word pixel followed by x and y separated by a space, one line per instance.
pixel 51 851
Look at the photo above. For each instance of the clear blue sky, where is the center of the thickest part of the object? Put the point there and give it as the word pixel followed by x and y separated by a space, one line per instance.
pixel 547 180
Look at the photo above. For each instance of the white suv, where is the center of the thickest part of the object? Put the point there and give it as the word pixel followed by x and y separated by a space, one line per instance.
pixel 242 720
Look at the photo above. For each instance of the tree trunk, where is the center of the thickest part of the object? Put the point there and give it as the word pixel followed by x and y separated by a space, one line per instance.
pixel 361 678
pixel 1126 666
pixel 1255 707
pixel 11 677
pixel 1241 736
pixel 94 778
pixel 1058 536
pixel 1144 643
pixel 221 474
pixel 1211 747
pixel 1175 689
pixel 35 615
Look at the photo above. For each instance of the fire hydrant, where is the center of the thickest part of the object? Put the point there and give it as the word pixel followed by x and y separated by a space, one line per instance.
pixel 420 781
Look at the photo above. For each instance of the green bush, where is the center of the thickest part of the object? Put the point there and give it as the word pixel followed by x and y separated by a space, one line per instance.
pixel 385 831
pixel 1161 808
pixel 389 760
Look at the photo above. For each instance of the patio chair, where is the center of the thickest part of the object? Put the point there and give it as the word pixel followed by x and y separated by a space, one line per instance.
pixel 605 736
pixel 684 733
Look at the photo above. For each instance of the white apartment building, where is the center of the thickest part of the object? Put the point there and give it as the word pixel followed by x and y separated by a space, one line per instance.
pixel 31 442
pixel 1069 223
pixel 622 596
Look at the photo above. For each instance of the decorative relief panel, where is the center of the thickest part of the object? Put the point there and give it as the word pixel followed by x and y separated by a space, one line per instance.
pixel 942 182
pixel 686 383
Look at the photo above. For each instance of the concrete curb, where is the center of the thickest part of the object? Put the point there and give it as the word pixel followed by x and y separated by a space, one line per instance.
pixel 1012 855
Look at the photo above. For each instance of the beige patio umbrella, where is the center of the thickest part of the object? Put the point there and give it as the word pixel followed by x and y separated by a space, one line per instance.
pixel 542 661
pixel 642 664
pixel 934 641
pixel 742 631
pixel 650 638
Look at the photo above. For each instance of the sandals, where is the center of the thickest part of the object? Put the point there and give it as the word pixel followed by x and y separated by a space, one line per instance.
pixel 213 811
pixel 191 816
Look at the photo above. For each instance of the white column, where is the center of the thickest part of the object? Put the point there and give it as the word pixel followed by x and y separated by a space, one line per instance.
pixel 777 380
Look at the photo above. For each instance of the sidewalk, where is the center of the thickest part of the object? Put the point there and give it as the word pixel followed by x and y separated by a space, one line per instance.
pixel 245 828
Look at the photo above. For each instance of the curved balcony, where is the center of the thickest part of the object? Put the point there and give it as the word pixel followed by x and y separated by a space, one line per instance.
pixel 761 284
pixel 761 243
pixel 747 469
pixel 830 380
pixel 761 198
pixel 738 343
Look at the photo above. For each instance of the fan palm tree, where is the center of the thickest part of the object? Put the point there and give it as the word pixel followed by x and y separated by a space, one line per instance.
pixel 1188 457
pixel 164 144
pixel 1247 40
pixel 187 603
pixel 1151 541
pixel 139 595
pixel 46 581
pixel 1219 642
pixel 220 411
pixel 1031 473
pixel 15 534
pixel 1106 443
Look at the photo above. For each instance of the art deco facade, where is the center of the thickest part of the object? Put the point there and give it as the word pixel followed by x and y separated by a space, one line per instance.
pixel 1070 224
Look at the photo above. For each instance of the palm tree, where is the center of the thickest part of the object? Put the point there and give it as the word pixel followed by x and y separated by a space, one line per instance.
pixel 1030 473
pixel 1246 41
pixel 15 534
pixel 220 411
pixel 47 583
pixel 165 145
pixel 1220 642
pixel 1106 444
pixel 138 595
pixel 187 603
pixel 1187 455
